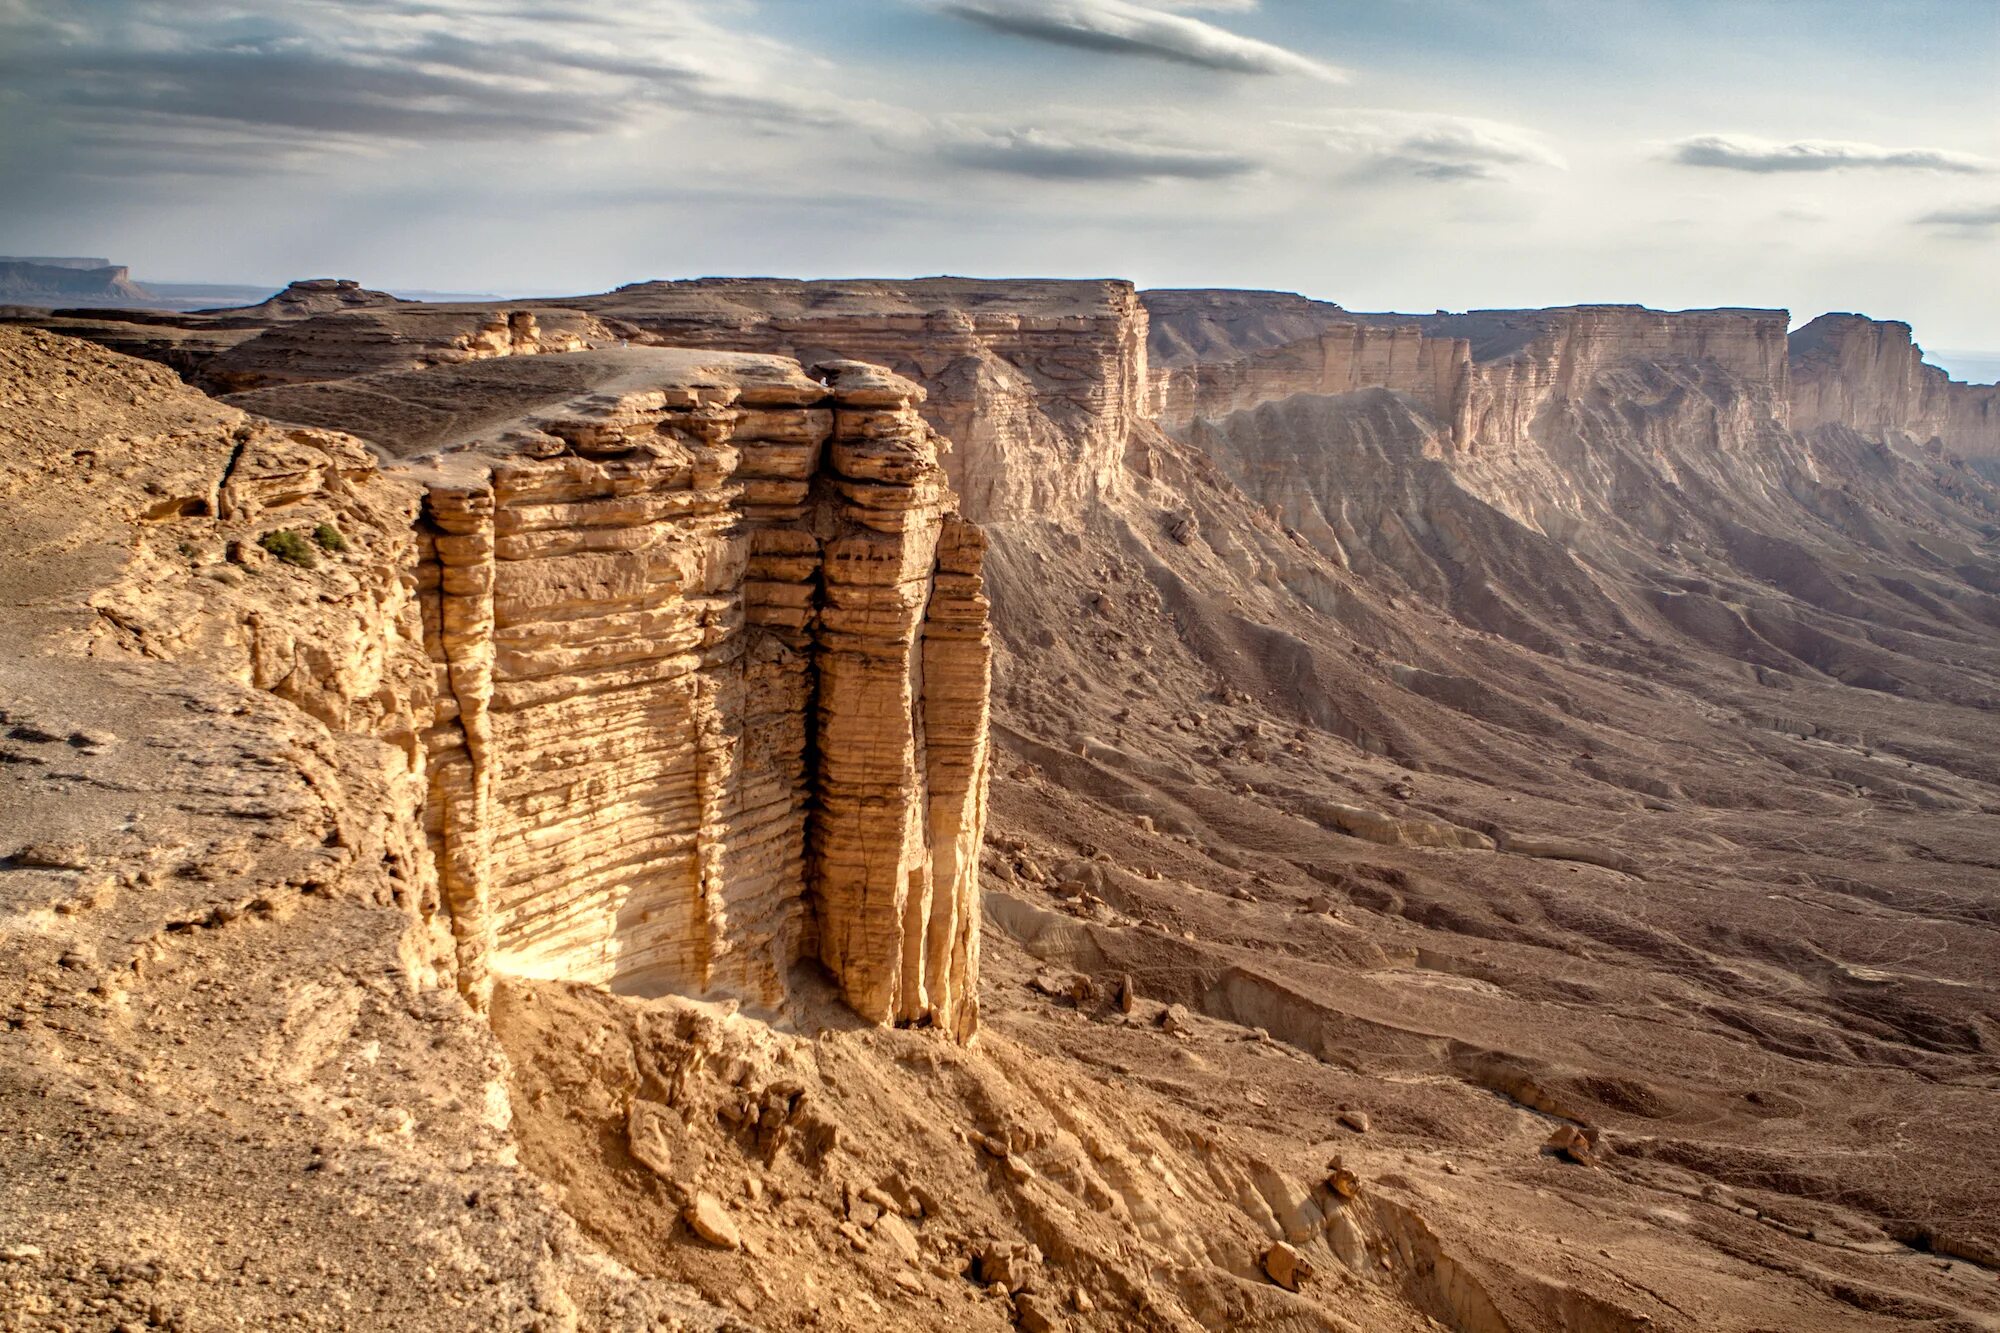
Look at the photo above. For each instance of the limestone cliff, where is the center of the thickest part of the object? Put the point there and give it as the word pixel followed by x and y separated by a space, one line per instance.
pixel 710 655
pixel 1038 384
pixel 1868 375
pixel 1345 358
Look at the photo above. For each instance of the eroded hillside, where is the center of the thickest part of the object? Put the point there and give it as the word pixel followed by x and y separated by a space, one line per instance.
pixel 1415 743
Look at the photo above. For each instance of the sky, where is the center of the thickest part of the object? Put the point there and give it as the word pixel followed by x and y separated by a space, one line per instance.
pixel 1385 154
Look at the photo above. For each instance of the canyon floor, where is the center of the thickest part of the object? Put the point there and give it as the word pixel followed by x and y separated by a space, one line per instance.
pixel 1546 875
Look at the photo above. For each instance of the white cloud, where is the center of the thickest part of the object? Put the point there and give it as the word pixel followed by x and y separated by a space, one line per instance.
pixel 1433 145
pixel 1966 219
pixel 1124 27
pixel 1074 156
pixel 348 74
pixel 1741 152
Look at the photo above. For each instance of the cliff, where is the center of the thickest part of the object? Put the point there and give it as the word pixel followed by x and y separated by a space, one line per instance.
pixel 1038 384
pixel 40 282
pixel 1345 358
pixel 1483 377
pixel 1870 376
pixel 684 654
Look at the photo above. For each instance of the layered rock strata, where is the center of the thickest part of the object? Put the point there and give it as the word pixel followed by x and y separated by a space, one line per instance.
pixel 359 336
pixel 1038 384
pixel 711 658
pixel 1434 372
pixel 1869 376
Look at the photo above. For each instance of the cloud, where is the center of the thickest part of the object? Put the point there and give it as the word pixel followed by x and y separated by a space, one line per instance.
pixel 318 76
pixel 1433 146
pixel 1123 27
pixel 1046 155
pixel 1733 152
pixel 1966 219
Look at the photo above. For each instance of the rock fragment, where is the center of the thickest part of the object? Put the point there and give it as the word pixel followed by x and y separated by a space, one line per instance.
pixel 1284 1265
pixel 711 1221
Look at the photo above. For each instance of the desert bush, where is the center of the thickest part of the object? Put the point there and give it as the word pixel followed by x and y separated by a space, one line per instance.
pixel 289 547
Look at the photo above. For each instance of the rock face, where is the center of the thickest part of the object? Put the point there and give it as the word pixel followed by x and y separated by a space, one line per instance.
pixel 359 337
pixel 1484 377
pixel 1869 376
pixel 1434 372
pixel 711 658
pixel 1038 384
pixel 34 281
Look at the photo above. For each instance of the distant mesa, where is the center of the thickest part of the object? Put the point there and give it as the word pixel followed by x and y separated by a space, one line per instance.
pixel 314 296
pixel 35 279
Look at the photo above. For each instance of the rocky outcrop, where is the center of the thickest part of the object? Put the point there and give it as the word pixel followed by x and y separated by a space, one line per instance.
pixel 313 296
pixel 1038 384
pixel 682 658
pixel 711 659
pixel 1869 376
pixel 404 336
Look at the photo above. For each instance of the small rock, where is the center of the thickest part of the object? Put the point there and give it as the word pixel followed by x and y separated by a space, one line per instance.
pixel 1128 993
pixel 1287 1267
pixel 1175 1021
pixel 1341 1180
pixel 1009 1266
pixel 1570 1142
pixel 1354 1120
pixel 712 1223
pixel 21 1254
pixel 1034 1314
pixel 895 1232
pixel 649 1128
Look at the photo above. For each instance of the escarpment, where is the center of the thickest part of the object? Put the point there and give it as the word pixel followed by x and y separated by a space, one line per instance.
pixel 686 653
pixel 1870 377
pixel 712 654
pixel 1037 383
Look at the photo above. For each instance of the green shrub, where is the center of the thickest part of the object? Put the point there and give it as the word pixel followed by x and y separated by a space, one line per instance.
pixel 289 547
pixel 329 538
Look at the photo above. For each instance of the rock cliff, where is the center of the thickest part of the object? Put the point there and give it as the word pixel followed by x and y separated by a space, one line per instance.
pixel 37 281
pixel 711 667
pixel 1038 384
pixel 1869 376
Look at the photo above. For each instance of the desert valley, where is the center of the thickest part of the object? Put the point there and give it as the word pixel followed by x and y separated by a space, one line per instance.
pixel 948 803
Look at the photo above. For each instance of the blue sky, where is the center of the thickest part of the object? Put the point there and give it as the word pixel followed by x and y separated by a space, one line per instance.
pixel 1407 154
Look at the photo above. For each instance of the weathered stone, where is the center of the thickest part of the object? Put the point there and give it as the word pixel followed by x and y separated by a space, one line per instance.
pixel 711 1221
pixel 1284 1265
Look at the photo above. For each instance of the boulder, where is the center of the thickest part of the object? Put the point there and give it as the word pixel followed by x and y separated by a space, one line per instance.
pixel 1284 1265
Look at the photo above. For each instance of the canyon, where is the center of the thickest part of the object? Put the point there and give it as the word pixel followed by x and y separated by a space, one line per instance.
pixel 858 804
